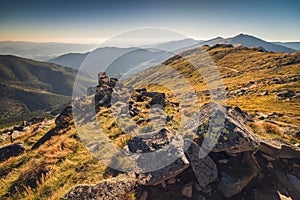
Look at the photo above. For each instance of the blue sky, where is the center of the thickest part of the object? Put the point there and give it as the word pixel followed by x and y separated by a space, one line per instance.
pixel 90 21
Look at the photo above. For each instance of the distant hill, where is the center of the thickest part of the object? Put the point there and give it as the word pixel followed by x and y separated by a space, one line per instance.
pixel 71 59
pixel 42 51
pixel 28 87
pixel 294 45
pixel 176 45
pixel 116 61
pixel 251 41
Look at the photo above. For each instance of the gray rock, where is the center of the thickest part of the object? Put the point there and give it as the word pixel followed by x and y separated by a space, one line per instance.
pixel 295 181
pixel 223 161
pixel 285 94
pixel 187 190
pixel 171 181
pixel 163 184
pixel 158 155
pixel 114 188
pixel 267 157
pixel 222 128
pixel 277 148
pixel 234 181
pixel 205 169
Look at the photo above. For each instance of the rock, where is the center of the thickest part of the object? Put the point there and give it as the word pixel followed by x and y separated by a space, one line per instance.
pixel 103 97
pixel 231 185
pixel 65 118
pixel 187 190
pixel 229 133
pixel 102 79
pixel 91 90
pixel 241 173
pixel 165 148
pixel 295 181
pixel 144 195
pixel 157 98
pixel 114 188
pixel 267 157
pixel 262 116
pixel 265 93
pixel 11 150
pixel 207 189
pixel 36 120
pixel 163 184
pixel 277 148
pixel 223 161
pixel 285 94
pixel 197 186
pixel 269 165
pixel 205 169
pixel 171 181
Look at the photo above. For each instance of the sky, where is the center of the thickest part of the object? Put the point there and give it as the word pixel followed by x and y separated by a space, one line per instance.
pixel 94 21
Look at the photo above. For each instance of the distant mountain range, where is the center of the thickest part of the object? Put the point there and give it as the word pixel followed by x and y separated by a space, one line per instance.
pixel 117 61
pixel 29 87
pixel 42 51
pixel 294 45
pixel 241 39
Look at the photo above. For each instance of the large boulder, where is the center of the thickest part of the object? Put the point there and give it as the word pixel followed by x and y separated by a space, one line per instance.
pixel 157 98
pixel 11 150
pixel 114 188
pixel 158 155
pixel 223 128
pixel 205 169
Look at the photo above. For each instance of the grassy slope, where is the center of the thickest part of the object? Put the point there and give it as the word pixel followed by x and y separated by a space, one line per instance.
pixel 238 67
pixel 30 87
pixel 67 161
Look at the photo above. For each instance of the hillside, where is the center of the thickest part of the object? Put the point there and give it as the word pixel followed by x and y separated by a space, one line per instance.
pixel 256 155
pixel 30 87
pixel 262 83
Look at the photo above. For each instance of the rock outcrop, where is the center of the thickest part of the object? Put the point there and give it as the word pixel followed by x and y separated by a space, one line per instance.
pixel 230 133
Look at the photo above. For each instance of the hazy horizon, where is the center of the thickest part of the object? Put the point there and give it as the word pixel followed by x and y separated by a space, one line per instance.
pixel 93 21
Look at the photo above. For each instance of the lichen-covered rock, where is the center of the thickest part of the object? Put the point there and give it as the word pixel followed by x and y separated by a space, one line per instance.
pixel 223 128
pixel 11 150
pixel 205 169
pixel 158 155
pixel 114 188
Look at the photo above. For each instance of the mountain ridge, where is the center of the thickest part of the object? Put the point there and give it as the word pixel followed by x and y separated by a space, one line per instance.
pixel 29 86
